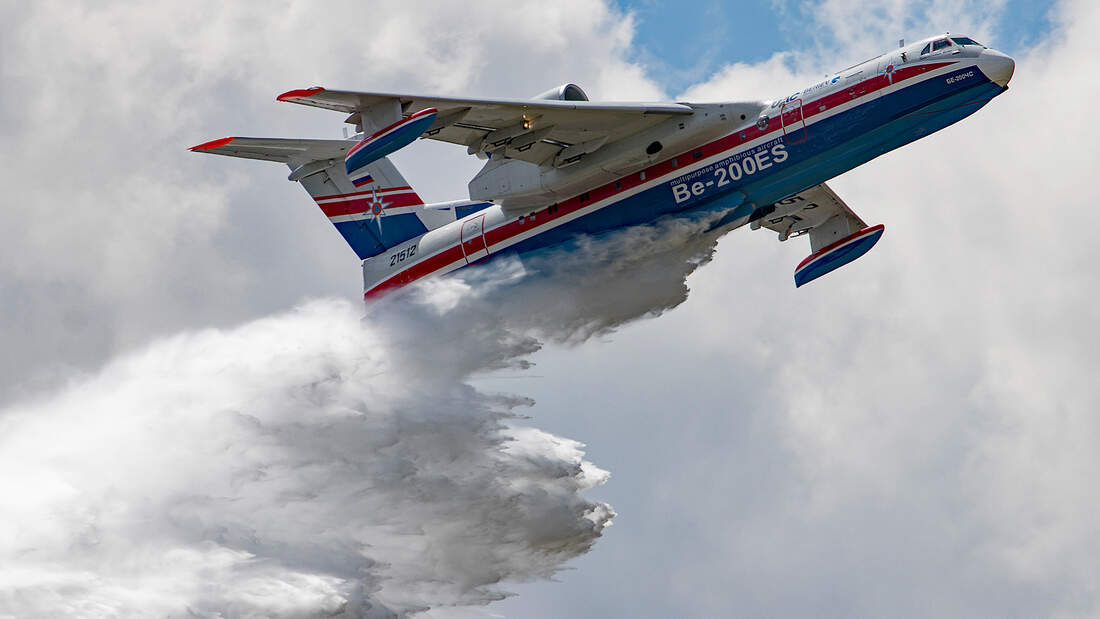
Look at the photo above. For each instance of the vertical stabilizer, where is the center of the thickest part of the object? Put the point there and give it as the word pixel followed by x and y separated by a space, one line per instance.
pixel 375 212
pixel 382 211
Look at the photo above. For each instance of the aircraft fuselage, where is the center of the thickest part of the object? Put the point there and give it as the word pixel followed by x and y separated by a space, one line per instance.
pixel 796 142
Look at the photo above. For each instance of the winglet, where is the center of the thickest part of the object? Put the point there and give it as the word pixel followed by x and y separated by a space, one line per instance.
pixel 212 144
pixel 300 93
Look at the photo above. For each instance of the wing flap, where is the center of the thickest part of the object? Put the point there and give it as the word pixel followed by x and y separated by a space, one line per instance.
pixel 817 211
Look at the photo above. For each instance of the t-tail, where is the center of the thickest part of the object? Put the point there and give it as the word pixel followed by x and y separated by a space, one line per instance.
pixel 374 208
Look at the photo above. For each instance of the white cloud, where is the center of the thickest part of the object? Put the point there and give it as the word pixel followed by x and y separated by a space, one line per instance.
pixel 297 465
pixel 316 463
pixel 114 232
pixel 912 434
pixel 865 29
pixel 291 465
pixel 751 82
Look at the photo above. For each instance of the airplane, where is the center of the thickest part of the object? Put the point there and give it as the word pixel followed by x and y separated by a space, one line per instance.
pixel 559 165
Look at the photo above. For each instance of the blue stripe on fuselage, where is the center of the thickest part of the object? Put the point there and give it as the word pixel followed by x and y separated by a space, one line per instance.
pixel 833 146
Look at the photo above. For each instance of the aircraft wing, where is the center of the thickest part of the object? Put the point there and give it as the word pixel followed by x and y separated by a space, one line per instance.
pixel 837 235
pixel 533 130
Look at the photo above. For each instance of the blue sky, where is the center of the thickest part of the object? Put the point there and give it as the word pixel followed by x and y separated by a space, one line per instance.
pixel 681 47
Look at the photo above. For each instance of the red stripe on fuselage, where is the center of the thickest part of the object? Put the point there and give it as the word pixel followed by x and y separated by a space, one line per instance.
pixel 423 268
pixel 729 142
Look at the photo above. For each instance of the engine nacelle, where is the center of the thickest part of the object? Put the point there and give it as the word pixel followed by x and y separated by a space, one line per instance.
pixel 565 92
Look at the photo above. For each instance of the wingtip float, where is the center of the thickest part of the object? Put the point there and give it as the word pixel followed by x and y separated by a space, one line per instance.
pixel 384 142
pixel 833 256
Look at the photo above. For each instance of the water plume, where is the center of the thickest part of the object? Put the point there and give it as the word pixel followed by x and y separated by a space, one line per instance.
pixel 323 463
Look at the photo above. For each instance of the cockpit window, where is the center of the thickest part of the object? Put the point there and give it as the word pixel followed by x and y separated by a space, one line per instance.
pixel 927 48
pixel 941 44
pixel 965 41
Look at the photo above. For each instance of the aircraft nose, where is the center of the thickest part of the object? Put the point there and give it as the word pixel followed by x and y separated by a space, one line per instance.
pixel 997 67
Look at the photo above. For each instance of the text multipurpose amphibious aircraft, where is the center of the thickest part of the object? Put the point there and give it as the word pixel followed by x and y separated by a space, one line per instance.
pixel 559 165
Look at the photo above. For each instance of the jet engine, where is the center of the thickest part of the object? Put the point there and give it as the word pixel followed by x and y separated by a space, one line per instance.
pixel 565 92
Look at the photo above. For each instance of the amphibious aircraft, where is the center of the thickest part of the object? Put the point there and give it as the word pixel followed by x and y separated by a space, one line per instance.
pixel 558 165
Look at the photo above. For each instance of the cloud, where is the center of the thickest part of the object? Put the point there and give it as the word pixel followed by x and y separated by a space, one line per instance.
pixel 321 462
pixel 297 465
pixel 292 464
pixel 907 436
pixel 114 232
pixel 828 42
pixel 911 435
pixel 866 29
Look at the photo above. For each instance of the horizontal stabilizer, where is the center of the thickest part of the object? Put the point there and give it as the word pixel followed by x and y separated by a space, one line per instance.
pixel 837 254
pixel 374 212
pixel 283 150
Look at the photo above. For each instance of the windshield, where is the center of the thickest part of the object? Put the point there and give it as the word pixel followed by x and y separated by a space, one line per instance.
pixel 965 41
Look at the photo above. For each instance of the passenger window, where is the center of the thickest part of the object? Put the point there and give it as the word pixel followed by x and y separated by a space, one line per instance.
pixel 938 45
pixel 927 48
